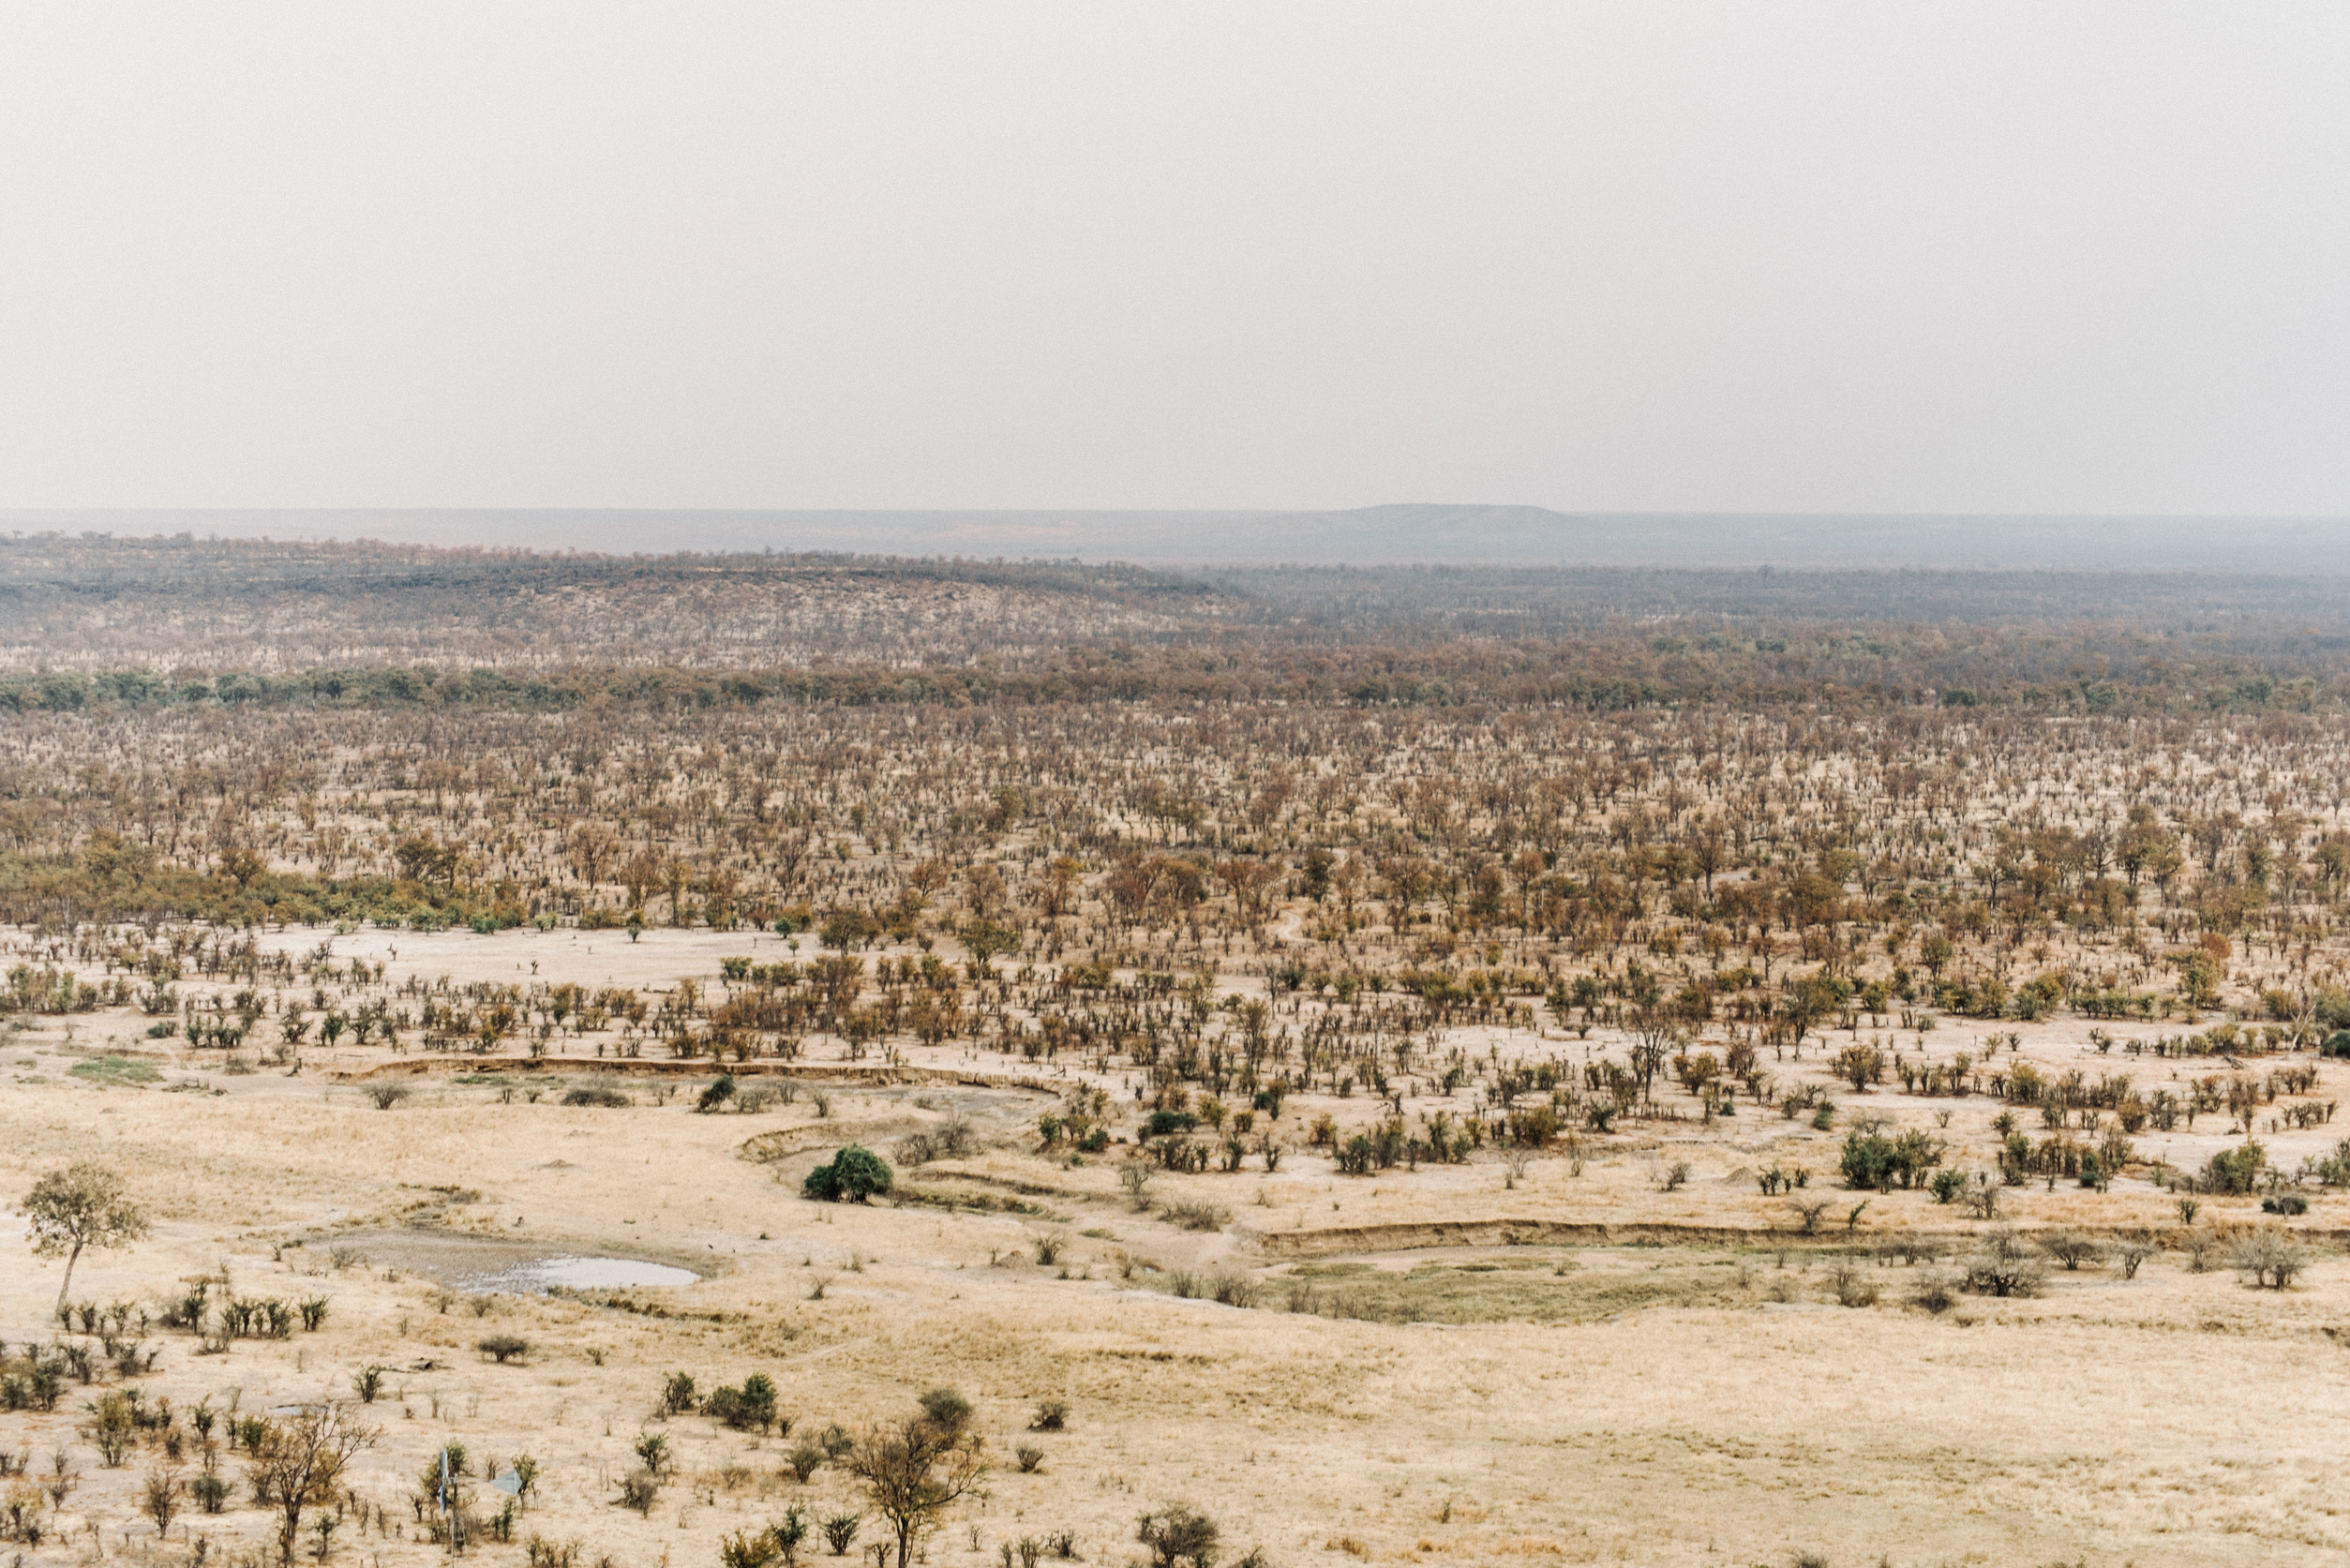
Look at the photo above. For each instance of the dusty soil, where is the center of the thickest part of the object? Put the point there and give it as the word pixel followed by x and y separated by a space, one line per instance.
pixel 1581 1362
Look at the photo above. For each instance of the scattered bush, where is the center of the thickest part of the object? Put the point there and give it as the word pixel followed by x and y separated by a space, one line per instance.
pixel 2231 1171
pixel 111 1429
pixel 840 1531
pixel 1936 1290
pixel 2201 1244
pixel 854 1175
pixel 2269 1260
pixel 1871 1161
pixel 1232 1288
pixel 1807 1212
pixel 748 1408
pixel 2006 1265
pixel 1176 1535
pixel 787 1532
pixel 640 1491
pixel 1852 1283
pixel 2072 1248
pixel 946 1411
pixel 502 1348
pixel 748 1550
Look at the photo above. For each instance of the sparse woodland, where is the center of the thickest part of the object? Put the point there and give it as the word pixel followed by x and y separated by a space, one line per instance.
pixel 1921 948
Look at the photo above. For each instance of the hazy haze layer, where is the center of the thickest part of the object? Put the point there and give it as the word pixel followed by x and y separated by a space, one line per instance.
pixel 1789 256
pixel 1381 535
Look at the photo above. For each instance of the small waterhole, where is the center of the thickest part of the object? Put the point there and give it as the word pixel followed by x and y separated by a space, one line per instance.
pixel 570 1272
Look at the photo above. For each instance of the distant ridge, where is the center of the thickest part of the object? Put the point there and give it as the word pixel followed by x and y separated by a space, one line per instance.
pixel 1404 533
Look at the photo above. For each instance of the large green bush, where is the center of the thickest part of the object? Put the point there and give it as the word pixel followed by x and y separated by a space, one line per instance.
pixel 854 1175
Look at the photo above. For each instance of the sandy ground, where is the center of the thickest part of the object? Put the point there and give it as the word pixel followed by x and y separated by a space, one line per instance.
pixel 1681 1389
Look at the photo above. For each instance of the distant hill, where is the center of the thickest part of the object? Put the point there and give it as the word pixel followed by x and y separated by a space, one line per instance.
pixel 1369 536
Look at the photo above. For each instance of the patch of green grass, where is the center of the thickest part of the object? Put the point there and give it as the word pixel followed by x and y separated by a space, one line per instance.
pixel 115 1070
pixel 495 1079
pixel 1483 1292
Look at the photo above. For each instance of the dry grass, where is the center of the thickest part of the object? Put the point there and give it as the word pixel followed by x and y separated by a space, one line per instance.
pixel 1433 1384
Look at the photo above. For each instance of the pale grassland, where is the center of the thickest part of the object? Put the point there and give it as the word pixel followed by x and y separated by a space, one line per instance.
pixel 1700 1402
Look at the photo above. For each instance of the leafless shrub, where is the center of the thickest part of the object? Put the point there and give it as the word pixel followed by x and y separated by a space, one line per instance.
pixel 2072 1248
pixel 1851 1284
pixel 1198 1215
pixel 1937 1290
pixel 2005 1264
pixel 2268 1259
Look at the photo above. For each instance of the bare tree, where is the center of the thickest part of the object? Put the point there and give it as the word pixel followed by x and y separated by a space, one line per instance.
pixel 299 1464
pixel 161 1499
pixel 915 1471
pixel 2270 1258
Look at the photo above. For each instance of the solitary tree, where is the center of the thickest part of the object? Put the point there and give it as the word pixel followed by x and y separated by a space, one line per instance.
pixel 299 1464
pixel 162 1502
pixel 80 1206
pixel 854 1175
pixel 1178 1535
pixel 916 1470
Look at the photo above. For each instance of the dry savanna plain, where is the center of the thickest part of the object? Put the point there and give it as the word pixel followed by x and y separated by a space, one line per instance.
pixel 1278 1070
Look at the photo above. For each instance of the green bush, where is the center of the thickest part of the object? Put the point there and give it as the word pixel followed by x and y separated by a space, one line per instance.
pixel 840 1531
pixel 1178 1535
pixel 946 1410
pixel 748 1550
pixel 1871 1161
pixel 854 1175
pixel 2231 1171
pixel 752 1406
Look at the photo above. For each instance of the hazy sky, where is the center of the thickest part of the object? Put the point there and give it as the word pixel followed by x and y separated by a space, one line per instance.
pixel 1785 256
